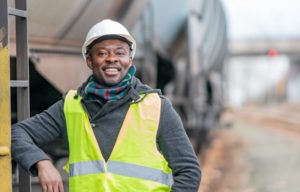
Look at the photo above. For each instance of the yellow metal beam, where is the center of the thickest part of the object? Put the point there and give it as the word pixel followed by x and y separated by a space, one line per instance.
pixel 5 130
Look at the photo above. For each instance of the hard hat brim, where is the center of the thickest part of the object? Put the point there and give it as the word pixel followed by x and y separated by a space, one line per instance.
pixel 107 37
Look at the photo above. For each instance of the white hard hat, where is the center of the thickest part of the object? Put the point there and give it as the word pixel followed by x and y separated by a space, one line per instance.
pixel 108 28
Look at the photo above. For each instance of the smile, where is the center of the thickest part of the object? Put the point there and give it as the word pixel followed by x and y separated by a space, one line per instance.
pixel 110 71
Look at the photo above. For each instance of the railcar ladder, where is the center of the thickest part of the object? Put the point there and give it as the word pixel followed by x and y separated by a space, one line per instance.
pixel 21 84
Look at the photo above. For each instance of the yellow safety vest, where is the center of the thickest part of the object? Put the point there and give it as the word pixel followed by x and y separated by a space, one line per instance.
pixel 134 165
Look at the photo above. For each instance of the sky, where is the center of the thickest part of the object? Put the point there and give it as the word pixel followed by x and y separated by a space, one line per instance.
pixel 263 19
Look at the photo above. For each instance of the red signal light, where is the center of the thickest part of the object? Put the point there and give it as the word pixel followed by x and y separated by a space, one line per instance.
pixel 273 53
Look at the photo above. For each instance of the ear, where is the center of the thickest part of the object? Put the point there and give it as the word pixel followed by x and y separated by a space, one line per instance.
pixel 130 60
pixel 89 61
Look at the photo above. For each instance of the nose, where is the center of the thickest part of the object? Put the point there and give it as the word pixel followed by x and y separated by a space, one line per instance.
pixel 111 58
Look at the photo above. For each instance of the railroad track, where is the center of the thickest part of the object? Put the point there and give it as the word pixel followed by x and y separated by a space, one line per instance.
pixel 225 158
pixel 287 118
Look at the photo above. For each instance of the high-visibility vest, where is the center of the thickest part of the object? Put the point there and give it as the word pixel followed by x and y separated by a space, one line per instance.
pixel 135 163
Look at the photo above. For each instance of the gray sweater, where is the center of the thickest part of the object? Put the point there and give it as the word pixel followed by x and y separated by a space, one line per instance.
pixel 106 119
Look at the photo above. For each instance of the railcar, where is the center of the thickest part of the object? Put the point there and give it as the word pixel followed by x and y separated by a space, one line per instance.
pixel 181 49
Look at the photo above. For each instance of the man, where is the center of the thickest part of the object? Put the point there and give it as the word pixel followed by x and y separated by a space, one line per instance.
pixel 122 135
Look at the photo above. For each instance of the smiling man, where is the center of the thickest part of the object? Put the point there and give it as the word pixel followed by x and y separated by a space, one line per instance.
pixel 123 136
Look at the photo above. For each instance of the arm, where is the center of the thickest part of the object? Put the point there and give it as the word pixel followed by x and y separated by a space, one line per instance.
pixel 178 151
pixel 30 134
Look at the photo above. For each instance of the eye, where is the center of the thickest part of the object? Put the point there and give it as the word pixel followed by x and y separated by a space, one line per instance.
pixel 102 53
pixel 120 52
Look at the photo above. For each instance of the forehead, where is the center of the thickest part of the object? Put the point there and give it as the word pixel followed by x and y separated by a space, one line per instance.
pixel 112 43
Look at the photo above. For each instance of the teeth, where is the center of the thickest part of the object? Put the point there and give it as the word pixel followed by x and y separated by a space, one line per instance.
pixel 111 71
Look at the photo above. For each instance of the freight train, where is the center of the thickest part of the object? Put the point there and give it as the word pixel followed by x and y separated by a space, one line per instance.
pixel 181 49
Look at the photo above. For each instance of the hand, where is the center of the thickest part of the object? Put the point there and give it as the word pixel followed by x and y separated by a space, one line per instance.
pixel 49 177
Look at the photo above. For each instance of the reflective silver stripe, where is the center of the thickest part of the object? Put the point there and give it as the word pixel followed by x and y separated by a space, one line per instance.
pixel 87 167
pixel 139 171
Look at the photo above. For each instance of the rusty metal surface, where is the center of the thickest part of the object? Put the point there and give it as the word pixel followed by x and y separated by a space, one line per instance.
pixel 5 158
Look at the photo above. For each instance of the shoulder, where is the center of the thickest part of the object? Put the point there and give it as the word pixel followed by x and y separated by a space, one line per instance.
pixel 166 105
pixel 166 101
pixel 169 118
pixel 170 124
pixel 139 86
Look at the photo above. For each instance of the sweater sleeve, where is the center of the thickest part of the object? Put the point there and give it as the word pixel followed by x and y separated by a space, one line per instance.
pixel 32 133
pixel 175 146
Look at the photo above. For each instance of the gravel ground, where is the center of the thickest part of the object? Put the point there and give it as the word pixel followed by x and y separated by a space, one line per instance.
pixel 250 157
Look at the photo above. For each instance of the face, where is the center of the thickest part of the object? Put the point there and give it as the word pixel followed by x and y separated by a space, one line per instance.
pixel 109 60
